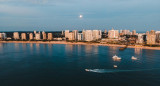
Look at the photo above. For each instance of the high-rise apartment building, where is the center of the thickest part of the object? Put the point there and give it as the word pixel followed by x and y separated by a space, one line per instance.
pixel 71 35
pixel 44 35
pixel 35 32
pixel 16 35
pixel 126 32
pixel 67 34
pixel 158 36
pixel 38 36
pixel 88 35
pixel 80 36
pixel 50 36
pixel 75 35
pixel 134 32
pixel 113 34
pixel 97 34
pixel 3 35
pixel 23 36
pixel 140 39
pixel 151 37
pixel 31 36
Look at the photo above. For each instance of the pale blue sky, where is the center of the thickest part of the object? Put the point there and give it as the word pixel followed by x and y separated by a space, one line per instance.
pixel 56 15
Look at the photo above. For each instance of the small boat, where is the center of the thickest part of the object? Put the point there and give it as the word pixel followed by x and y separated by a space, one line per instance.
pixel 133 58
pixel 116 57
pixel 87 70
pixel 123 48
pixel 115 66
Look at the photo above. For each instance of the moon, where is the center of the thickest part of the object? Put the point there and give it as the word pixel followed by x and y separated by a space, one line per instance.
pixel 81 16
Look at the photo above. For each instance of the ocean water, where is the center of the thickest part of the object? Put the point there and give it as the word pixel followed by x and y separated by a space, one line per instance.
pixel 67 65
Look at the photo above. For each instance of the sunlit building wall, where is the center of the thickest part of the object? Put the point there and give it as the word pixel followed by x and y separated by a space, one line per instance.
pixel 151 37
pixel 37 36
pixel 44 35
pixel 80 36
pixel 16 35
pixel 23 36
pixel 50 36
pixel 97 34
pixel 88 35
pixel 140 39
pixel 3 35
pixel 75 35
pixel 67 34
pixel 31 36
pixel 134 32
pixel 113 34
pixel 126 32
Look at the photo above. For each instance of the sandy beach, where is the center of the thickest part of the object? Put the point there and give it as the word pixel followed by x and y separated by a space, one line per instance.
pixel 80 43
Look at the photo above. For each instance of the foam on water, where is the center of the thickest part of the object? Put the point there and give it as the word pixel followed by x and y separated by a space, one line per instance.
pixel 116 70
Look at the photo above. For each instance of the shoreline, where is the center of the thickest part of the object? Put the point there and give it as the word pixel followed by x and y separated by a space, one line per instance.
pixel 80 43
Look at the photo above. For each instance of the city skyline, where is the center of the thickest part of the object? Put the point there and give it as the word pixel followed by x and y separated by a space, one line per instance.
pixel 57 15
pixel 79 42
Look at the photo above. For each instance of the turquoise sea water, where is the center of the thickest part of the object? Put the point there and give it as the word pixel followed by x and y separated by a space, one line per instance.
pixel 65 65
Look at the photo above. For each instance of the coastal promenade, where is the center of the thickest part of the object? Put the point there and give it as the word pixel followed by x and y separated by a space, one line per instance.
pixel 80 43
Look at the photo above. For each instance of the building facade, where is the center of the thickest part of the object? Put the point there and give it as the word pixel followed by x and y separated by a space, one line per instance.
pixel 50 36
pixel 23 36
pixel 126 32
pixel 158 36
pixel 88 35
pixel 80 36
pixel 134 32
pixel 75 35
pixel 38 36
pixel 113 34
pixel 3 35
pixel 31 36
pixel 140 39
pixel 97 34
pixel 16 35
pixel 67 34
pixel 151 37
pixel 44 35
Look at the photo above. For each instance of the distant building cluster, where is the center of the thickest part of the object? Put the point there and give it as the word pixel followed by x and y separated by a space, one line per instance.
pixel 111 36
pixel 128 37
pixel 34 36
pixel 85 35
